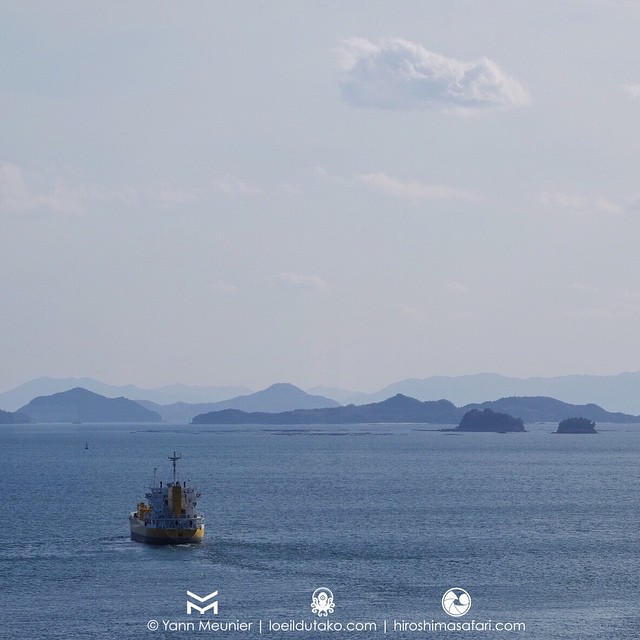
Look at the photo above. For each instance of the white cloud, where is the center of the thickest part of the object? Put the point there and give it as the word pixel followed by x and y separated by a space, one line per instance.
pixel 232 186
pixel 15 195
pixel 322 174
pixel 562 200
pixel 633 91
pixel 606 206
pixel 296 281
pixel 395 188
pixel 398 74
pixel 575 204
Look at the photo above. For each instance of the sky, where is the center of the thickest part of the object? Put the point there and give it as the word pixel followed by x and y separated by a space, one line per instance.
pixel 318 192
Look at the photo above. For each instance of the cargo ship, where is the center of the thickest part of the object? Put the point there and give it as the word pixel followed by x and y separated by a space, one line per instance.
pixel 170 514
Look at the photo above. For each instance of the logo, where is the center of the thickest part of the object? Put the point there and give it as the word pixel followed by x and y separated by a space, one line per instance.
pixel 213 605
pixel 322 602
pixel 456 602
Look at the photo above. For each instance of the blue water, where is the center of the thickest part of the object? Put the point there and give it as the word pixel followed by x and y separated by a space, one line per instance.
pixel 540 529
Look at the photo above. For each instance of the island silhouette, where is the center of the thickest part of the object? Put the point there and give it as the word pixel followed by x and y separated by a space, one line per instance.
pixel 487 420
pixel 576 425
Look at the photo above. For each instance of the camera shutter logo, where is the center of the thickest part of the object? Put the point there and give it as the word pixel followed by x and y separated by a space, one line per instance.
pixel 322 602
pixel 456 602
pixel 213 605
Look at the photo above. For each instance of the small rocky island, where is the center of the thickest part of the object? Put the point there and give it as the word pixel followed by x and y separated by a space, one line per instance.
pixel 576 425
pixel 487 420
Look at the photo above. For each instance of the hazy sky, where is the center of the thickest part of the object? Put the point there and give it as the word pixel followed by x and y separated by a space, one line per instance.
pixel 335 193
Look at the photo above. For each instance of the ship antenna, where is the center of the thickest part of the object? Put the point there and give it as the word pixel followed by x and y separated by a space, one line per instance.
pixel 173 458
pixel 154 475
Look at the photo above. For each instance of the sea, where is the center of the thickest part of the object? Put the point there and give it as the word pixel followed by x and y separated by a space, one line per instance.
pixel 537 534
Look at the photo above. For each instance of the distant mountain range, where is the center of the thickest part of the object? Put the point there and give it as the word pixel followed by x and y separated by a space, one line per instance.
pixel 400 408
pixel 276 398
pixel 616 393
pixel 17 397
pixel 80 405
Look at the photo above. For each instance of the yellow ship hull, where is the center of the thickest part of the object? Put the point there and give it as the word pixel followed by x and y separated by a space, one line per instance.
pixel 149 535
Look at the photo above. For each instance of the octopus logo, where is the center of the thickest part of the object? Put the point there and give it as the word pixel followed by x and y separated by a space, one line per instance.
pixel 322 602
pixel 456 602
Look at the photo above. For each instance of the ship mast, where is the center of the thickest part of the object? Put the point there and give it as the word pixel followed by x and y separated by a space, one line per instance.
pixel 173 458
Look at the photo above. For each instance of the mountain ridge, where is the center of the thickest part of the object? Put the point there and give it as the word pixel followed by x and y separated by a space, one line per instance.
pixel 279 397
pixel 16 397
pixel 404 409
pixel 618 392
pixel 81 405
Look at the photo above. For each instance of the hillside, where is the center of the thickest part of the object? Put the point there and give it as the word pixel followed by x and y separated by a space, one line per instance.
pixel 275 399
pixel 402 408
pixel 7 417
pixel 397 409
pixel 620 392
pixel 544 409
pixel 22 394
pixel 80 405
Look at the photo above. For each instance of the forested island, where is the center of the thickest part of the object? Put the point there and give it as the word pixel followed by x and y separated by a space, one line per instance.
pixel 402 409
pixel 487 420
pixel 576 425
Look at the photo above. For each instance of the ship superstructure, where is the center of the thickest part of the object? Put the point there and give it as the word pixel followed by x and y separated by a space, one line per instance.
pixel 170 515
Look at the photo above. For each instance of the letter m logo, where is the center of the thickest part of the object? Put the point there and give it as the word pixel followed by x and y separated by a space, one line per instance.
pixel 213 605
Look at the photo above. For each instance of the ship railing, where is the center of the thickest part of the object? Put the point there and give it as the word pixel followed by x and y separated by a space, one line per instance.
pixel 173 523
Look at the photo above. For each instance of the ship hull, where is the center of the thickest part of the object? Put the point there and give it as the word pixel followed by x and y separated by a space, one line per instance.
pixel 150 535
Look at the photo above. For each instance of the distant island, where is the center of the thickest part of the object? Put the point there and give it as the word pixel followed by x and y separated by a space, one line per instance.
pixel 397 409
pixel 618 391
pixel 487 420
pixel 8 417
pixel 576 425
pixel 80 405
pixel 403 409
pixel 277 398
